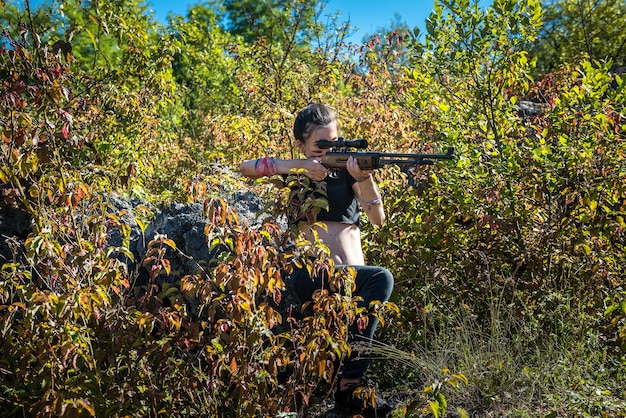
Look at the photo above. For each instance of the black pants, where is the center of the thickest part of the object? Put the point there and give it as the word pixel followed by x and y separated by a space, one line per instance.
pixel 372 283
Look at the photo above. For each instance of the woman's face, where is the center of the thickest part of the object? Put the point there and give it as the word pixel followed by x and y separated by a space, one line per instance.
pixel 309 147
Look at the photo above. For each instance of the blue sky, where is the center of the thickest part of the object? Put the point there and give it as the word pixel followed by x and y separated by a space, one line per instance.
pixel 367 15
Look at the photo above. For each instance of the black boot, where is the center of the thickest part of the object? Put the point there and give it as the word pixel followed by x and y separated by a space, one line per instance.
pixel 360 398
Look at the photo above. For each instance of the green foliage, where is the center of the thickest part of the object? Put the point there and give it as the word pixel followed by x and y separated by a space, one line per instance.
pixel 201 68
pixel 575 30
pixel 532 212
pixel 44 126
pixel 62 124
pixel 508 261
pixel 90 338
pixel 272 20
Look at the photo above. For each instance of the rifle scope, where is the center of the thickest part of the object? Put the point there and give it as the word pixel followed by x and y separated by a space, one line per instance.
pixel 342 143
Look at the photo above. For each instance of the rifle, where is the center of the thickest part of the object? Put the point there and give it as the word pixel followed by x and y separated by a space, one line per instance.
pixel 339 154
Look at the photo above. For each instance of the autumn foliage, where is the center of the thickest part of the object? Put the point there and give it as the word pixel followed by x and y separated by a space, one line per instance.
pixel 509 255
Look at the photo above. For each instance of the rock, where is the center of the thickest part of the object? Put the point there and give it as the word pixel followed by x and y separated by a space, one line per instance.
pixel 124 209
pixel 528 109
pixel 182 223
pixel 185 223
pixel 14 229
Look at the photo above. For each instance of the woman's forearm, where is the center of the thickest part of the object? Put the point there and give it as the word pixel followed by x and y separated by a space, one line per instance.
pixel 250 168
pixel 371 200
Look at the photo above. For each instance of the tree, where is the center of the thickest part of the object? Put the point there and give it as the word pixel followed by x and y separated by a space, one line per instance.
pixel 270 19
pixel 581 28
pixel 387 45
pixel 203 65
pixel 115 66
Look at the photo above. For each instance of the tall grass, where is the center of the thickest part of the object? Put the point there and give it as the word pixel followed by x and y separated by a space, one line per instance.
pixel 514 366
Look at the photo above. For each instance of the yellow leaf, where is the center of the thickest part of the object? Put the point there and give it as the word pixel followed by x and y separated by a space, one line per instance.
pixel 85 404
pixel 586 249
pixel 141 225
pixel 170 243
pixel 461 377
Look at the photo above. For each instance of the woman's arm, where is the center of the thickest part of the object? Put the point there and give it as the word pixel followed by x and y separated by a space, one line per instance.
pixel 366 191
pixel 269 166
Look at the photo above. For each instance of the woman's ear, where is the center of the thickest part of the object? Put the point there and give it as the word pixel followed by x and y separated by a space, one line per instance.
pixel 300 145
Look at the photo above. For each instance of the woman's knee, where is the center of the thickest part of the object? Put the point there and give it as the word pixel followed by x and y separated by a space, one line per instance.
pixel 386 282
pixel 374 283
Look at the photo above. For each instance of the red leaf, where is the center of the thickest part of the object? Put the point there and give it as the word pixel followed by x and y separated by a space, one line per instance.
pixel 65 130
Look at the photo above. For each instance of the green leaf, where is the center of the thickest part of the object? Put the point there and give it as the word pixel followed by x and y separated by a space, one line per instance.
pixel 434 406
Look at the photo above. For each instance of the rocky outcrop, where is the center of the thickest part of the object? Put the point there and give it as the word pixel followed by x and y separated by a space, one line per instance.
pixel 14 229
pixel 182 223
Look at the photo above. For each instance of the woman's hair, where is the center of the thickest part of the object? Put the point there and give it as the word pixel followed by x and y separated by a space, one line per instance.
pixel 310 118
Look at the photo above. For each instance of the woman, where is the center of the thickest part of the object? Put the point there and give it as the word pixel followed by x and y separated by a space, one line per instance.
pixel 346 193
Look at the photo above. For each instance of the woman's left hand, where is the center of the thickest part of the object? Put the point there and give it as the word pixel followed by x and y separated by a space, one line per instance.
pixel 352 165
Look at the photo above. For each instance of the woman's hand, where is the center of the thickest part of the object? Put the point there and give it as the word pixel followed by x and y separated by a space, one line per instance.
pixel 315 170
pixel 366 191
pixel 353 168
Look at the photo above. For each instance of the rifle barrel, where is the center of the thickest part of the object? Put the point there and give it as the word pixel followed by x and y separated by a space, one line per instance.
pixel 447 156
pixel 399 161
pixel 372 160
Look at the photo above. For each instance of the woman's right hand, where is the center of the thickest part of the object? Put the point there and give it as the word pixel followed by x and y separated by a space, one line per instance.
pixel 315 170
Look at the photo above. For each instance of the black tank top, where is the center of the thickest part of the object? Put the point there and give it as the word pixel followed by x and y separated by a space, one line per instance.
pixel 343 205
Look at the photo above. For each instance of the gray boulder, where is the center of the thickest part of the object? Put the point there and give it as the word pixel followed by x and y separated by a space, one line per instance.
pixel 14 229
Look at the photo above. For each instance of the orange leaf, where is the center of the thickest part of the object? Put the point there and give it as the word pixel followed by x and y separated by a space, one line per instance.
pixel 321 368
pixel 166 266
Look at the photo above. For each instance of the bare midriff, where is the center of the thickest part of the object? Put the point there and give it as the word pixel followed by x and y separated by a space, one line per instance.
pixel 343 241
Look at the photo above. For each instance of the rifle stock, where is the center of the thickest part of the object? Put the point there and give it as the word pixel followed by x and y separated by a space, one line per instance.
pixel 374 160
